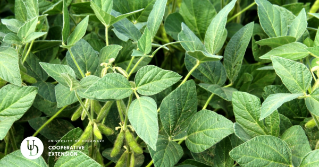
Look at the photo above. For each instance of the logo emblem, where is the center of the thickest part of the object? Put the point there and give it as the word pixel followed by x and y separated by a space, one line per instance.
pixel 31 147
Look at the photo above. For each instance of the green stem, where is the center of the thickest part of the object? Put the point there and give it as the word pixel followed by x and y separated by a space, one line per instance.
pixel 174 5
pixel 314 7
pixel 25 57
pixel 149 164
pixel 83 106
pixel 137 96
pixel 14 145
pixel 129 65
pixel 190 72
pixel 48 121
pixel 108 164
pixel 107 35
pixel 25 49
pixel 76 63
pixel 208 100
pixel 128 106
pixel 7 145
pixel 242 11
pixel 92 143
pixel 171 43
pixel 119 108
pixel 135 66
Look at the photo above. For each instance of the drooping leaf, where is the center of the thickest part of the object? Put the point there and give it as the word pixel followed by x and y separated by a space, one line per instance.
pixel 142 115
pixel 156 16
pixel 151 80
pixel 9 65
pixel 78 32
pixel 20 160
pixel 225 93
pixel 263 151
pixel 81 160
pixel 299 25
pixel 276 41
pixel 292 51
pixel 312 102
pixel 207 129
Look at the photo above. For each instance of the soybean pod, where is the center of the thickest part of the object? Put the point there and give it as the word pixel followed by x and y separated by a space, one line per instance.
pixel 122 159
pixel 97 132
pixel 118 144
pixel 105 130
pixel 132 162
pixel 85 135
pixel 132 143
pixel 76 115
pixel 104 111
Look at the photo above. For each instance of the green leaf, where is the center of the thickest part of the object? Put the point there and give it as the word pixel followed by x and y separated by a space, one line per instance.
pixel 9 66
pixel 206 157
pixel 295 76
pixel 292 51
pixel 312 102
pixel 262 151
pixel 298 142
pixel 46 90
pixel 105 5
pixel 14 102
pixel 66 23
pixel 103 16
pixel 207 129
pixel 299 25
pixel 274 101
pixel 127 28
pixel 204 56
pixel 78 32
pixel 111 86
pixel 197 15
pixel 225 93
pixel 33 36
pixel 311 159
pixel 108 52
pixel 20 160
pixel 72 83
pixel 12 24
pixel 27 28
pixel 56 8
pixel 125 6
pixel 32 7
pixel 167 153
pixel 120 17
pixel 173 24
pixel 221 157
pixel 272 124
pixel 191 41
pixel 142 114
pixel 85 84
pixel 241 133
pixel 314 51
pixel 271 19
pixel 235 51
pixel 156 16
pixel 55 71
pixel 20 11
pixel 145 42
pixel 151 80
pixel 208 72
pixel 12 38
pixel 81 160
pixel 214 37
pixel 247 110
pixel 34 69
pixel 178 107
pixel 276 41
pixel 285 123
pixel 85 56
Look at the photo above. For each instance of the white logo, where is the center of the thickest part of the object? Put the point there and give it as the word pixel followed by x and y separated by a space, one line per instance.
pixel 31 147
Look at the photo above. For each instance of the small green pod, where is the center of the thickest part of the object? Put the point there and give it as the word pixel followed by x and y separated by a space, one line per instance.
pixel 96 106
pixel 122 159
pixel 132 143
pixel 87 106
pixel 105 130
pixel 104 111
pixel 132 162
pixel 85 135
pixel 310 124
pixel 97 132
pixel 118 144
pixel 76 115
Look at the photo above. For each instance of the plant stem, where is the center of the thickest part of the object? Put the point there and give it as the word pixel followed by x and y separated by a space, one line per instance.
pixel 135 66
pixel 137 96
pixel 108 164
pixel 208 100
pixel 314 7
pixel 129 65
pixel 76 63
pixel 107 35
pixel 14 145
pixel 7 145
pixel 25 49
pixel 174 5
pixel 25 57
pixel 119 108
pixel 83 106
pixel 190 72
pixel 149 164
pixel 48 121
pixel 242 11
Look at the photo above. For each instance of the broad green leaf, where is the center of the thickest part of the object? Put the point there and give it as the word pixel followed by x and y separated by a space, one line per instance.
pixel 204 56
pixel 311 159
pixel 127 28
pixel 272 124
pixel 111 86
pixel 247 110
pixel 12 24
pixel 33 36
pixel 276 41
pixel 85 84
pixel 125 6
pixel 32 7
pixel 197 15
pixel 274 101
pixel 103 16
pixel 81 160
pixel 12 38
pixel 178 107
pixel 314 51
pixel 20 11
pixel 9 65
pixel 285 123
pixel 173 25
pixel 78 32
pixel 167 153
pixel 191 41
pixel 292 51
pixel 225 93
pixel 46 90
pixel 257 49
pixel 142 115
pixel 271 19
pixel 123 16
pixel 312 102
pixel 151 80
pixel 156 16
pixel 72 83
pixel 105 5
pixel 235 51
pixel 34 69
pixel 85 56
pixel 263 151
pixel 241 133
pixel 299 25
pixel 145 42
pixel 55 71
pixel 208 72
pixel 16 159
pixel 66 23
pixel 206 157
pixel 221 157
pixel 207 129
pixel 56 8
pixel 14 102
pixel 27 28
pixel 295 76
pixel 108 52
pixel 137 53
pixel 298 142
pixel 214 36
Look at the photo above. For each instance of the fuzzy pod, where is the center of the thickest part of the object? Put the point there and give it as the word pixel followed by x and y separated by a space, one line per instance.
pixel 104 111
pixel 105 130
pixel 132 143
pixel 97 132
pixel 87 106
pixel 85 135
pixel 95 106
pixel 132 160
pixel 76 115
pixel 122 159
pixel 118 144
pixel 310 124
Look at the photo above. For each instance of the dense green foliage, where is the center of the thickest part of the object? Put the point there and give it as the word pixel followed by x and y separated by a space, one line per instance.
pixel 188 83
